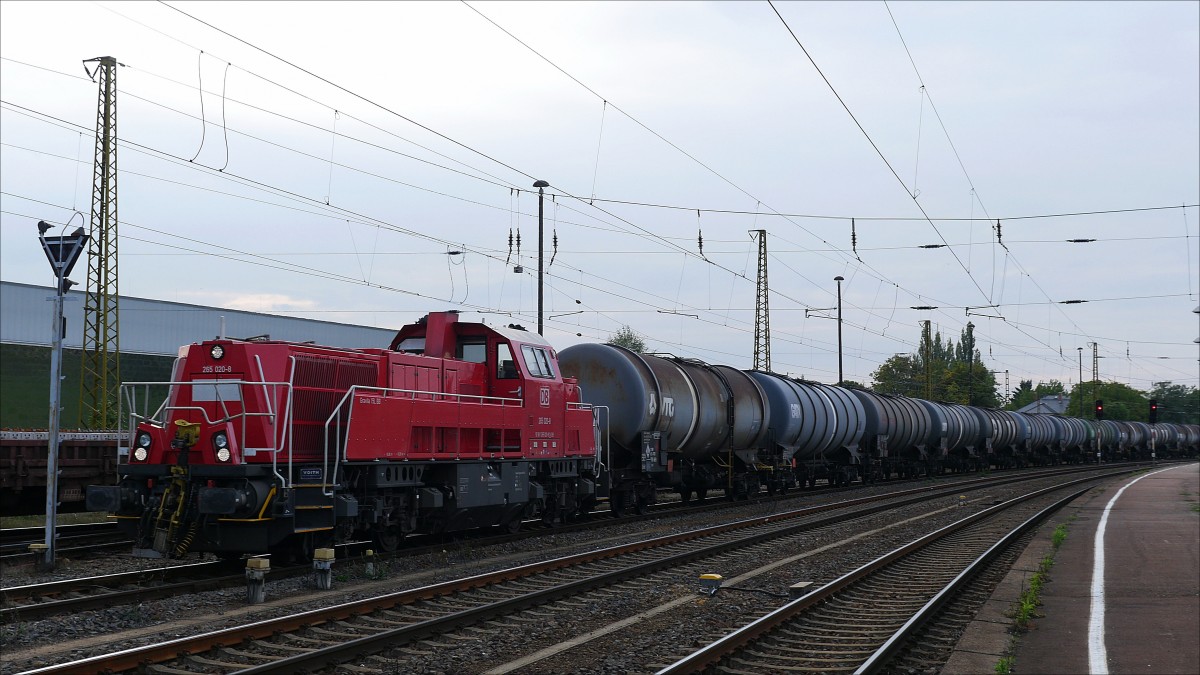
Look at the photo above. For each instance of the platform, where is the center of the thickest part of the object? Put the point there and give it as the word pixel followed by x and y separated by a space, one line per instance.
pixel 1145 615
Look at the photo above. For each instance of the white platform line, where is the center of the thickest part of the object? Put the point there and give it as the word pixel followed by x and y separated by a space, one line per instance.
pixel 1097 652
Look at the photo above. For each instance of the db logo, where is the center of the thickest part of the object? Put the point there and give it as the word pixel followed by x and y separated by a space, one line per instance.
pixel 544 397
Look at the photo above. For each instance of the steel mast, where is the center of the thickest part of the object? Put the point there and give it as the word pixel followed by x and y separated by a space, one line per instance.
pixel 101 372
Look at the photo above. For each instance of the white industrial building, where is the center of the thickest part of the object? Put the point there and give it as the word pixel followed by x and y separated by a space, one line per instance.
pixel 160 327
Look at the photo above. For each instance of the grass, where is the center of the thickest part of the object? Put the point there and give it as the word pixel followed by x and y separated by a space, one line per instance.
pixel 1030 600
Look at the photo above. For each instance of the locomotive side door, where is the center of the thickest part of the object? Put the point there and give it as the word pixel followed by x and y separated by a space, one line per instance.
pixel 544 400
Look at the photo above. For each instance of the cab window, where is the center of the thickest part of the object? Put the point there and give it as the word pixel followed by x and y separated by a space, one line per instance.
pixel 537 361
pixel 472 350
pixel 506 368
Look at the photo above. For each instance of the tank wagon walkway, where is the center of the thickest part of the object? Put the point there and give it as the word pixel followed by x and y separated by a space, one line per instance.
pixel 1141 613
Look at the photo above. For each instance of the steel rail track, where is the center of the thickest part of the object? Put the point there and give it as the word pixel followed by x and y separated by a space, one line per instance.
pixel 10 536
pixel 84 538
pixel 858 621
pixel 403 617
pixel 38 601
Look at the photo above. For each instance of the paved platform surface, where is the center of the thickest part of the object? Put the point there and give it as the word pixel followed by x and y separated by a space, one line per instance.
pixel 1151 590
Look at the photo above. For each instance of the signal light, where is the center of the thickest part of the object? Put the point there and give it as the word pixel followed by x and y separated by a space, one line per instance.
pixel 1099 409
pixel 1153 411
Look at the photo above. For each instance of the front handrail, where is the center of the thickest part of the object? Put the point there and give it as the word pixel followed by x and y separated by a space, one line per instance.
pixel 286 427
pixel 160 416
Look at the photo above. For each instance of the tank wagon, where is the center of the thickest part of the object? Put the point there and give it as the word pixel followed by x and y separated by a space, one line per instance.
pixel 270 446
pixel 785 432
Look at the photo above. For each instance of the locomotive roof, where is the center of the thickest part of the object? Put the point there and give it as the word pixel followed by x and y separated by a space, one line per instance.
pixel 519 335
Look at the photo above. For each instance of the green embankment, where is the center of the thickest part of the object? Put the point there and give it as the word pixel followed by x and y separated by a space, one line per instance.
pixel 25 383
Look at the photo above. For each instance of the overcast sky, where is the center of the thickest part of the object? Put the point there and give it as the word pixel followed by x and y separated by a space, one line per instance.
pixel 347 150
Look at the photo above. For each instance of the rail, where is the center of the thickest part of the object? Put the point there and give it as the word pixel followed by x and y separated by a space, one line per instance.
pixel 710 656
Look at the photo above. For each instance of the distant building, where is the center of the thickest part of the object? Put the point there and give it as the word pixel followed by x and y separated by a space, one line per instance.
pixel 1055 404
pixel 152 331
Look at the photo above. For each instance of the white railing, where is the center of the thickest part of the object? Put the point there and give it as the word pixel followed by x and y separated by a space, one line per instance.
pixel 136 398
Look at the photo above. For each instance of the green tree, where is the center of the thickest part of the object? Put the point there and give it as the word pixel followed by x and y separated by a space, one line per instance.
pixel 628 339
pixel 940 370
pixel 1023 396
pixel 1121 401
pixel 1177 403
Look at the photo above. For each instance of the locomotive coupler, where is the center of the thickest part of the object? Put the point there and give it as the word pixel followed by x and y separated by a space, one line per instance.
pixel 186 435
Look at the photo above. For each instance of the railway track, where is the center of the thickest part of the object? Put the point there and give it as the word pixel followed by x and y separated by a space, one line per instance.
pixel 322 637
pixel 37 601
pixel 859 622
pixel 84 538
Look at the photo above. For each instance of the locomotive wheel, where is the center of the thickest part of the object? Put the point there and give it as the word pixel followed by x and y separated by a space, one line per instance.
pixel 388 538
pixel 586 505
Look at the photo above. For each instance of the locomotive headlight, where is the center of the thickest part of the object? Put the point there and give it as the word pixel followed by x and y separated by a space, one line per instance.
pixel 221 444
pixel 217 352
pixel 141 448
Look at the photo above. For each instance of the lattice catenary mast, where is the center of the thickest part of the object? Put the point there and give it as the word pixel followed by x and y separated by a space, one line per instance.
pixel 101 343
pixel 762 315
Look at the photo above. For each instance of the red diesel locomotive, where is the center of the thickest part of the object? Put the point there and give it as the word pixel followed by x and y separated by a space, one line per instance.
pixel 270 446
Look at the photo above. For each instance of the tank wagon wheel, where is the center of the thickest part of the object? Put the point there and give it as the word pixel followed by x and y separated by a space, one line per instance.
pixel 639 505
pixel 616 504
pixel 513 525
pixel 685 495
pixel 701 494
